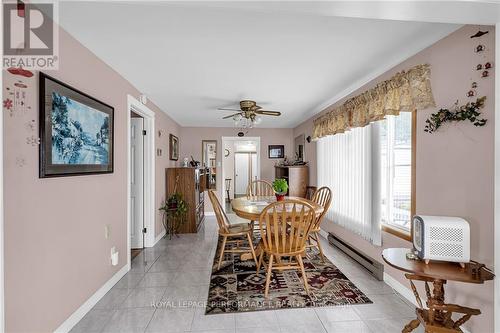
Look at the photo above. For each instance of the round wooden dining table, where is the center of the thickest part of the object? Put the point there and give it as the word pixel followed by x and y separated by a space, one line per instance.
pixel 250 208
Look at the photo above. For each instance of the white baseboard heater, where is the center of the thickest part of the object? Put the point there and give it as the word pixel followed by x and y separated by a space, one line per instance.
pixel 373 266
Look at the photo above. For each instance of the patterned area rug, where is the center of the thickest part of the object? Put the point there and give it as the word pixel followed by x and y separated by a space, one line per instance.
pixel 236 287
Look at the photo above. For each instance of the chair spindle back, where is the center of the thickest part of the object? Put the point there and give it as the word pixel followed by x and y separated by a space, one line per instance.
pixel 260 188
pixel 222 219
pixel 323 197
pixel 285 226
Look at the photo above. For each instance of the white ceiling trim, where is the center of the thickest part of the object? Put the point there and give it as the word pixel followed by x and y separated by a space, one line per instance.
pixel 432 11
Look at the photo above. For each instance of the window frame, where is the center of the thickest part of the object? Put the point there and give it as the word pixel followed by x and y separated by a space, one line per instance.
pixel 393 230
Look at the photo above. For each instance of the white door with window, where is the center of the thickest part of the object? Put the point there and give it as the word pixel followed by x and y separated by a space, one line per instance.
pixel 137 183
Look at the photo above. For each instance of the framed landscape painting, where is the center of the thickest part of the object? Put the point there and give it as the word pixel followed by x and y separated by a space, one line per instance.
pixel 76 131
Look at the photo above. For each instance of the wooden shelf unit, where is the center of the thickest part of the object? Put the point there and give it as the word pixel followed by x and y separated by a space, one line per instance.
pixel 297 177
pixel 191 185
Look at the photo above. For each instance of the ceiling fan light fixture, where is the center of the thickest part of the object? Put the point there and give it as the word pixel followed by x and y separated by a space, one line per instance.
pixel 250 114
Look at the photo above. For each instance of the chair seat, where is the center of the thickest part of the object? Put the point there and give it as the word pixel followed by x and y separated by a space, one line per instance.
pixel 235 219
pixel 239 228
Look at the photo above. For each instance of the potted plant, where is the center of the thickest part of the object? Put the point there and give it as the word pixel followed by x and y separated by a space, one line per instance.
pixel 174 213
pixel 280 188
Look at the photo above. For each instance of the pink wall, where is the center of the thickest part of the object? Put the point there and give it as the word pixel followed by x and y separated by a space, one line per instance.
pixel 56 256
pixel 454 165
pixel 191 137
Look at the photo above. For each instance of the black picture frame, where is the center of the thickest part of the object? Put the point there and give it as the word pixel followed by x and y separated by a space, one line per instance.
pixel 276 151
pixel 47 169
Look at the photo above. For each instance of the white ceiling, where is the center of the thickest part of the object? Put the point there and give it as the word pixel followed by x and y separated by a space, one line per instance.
pixel 190 59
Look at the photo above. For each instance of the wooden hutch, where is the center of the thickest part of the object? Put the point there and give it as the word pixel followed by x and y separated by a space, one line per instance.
pixel 297 177
pixel 191 184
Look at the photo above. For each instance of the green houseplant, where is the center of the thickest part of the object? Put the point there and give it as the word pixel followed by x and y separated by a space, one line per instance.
pixel 174 212
pixel 280 187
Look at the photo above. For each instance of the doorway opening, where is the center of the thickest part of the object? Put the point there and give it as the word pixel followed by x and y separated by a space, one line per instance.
pixel 137 134
pixel 140 178
pixel 240 166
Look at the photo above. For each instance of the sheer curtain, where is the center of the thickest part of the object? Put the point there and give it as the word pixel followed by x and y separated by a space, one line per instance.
pixel 349 164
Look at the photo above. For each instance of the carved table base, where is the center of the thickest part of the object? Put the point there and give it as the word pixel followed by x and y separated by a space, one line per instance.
pixel 437 318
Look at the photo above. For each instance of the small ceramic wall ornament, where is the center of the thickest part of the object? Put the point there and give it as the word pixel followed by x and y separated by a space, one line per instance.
pixel 20 71
pixel 488 65
pixel 485 74
pixel 33 141
pixel 31 125
pixel 20 161
pixel 479 67
pixel 479 34
pixel 474 85
pixel 480 48
pixel 20 96
pixel 8 105
pixel 471 93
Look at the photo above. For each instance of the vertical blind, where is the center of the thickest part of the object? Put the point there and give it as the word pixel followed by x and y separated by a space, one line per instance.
pixel 369 171
pixel 345 164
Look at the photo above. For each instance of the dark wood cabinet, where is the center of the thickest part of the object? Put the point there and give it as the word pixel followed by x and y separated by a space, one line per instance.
pixel 297 177
pixel 190 184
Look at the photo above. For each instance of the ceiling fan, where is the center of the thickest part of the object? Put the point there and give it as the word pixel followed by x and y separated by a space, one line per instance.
pixel 248 114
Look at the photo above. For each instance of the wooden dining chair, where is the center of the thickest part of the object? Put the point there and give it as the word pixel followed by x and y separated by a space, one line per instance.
pixel 284 227
pixel 310 190
pixel 323 197
pixel 260 188
pixel 231 233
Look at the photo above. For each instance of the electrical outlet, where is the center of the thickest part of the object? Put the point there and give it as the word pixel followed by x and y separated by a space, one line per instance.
pixel 107 228
pixel 114 256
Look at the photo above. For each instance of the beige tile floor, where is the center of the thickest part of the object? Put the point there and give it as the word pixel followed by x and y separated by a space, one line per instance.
pixel 176 272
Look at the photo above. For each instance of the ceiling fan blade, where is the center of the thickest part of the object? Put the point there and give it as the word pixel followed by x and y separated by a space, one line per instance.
pixel 268 113
pixel 227 109
pixel 231 116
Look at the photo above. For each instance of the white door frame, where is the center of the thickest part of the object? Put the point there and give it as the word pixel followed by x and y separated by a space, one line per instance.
pixel 496 184
pixel 237 138
pixel 149 172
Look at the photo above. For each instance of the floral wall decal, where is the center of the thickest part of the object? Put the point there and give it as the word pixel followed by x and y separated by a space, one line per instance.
pixel 469 111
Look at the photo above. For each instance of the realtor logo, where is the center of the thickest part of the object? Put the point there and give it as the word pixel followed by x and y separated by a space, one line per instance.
pixel 29 35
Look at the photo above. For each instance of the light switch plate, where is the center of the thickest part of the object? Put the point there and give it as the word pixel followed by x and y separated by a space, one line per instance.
pixel 107 228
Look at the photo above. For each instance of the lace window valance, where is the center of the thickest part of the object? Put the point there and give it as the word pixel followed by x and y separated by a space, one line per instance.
pixel 406 91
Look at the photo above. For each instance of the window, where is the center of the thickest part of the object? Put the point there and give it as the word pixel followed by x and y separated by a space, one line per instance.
pixel 396 171
pixel 369 170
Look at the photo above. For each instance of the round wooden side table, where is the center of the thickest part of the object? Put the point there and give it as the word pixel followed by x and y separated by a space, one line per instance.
pixel 437 318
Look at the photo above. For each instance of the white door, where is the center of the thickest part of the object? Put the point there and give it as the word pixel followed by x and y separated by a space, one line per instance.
pixel 241 172
pixel 137 182
pixel 253 174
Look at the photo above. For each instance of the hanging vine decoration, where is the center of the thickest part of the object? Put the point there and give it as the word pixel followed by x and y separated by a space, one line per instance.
pixel 469 111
